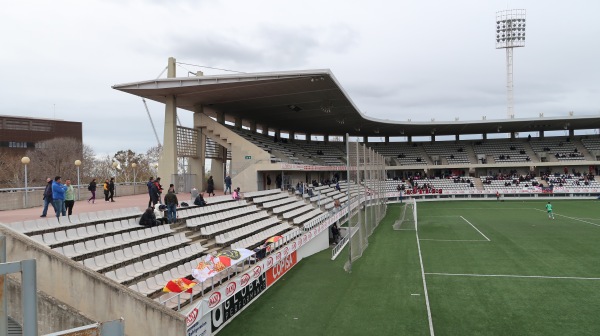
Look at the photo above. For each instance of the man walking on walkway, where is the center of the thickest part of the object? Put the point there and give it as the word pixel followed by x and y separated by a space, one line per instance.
pixel 227 184
pixel 58 197
pixel 47 197
pixel 111 189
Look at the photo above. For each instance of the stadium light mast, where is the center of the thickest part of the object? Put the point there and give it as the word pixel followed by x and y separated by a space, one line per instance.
pixel 510 33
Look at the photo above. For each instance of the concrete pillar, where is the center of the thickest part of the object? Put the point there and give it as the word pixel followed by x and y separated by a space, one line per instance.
pixel 456 137
pixel 308 135
pixel 197 163
pixel 278 134
pixel 167 164
pixel 265 130
pixel 484 136
pixel 541 134
pixel 221 118
pixel 409 138
pixel 326 138
pixel 238 123
pixel 432 138
pixel 512 135
pixel 292 136
pixel 253 126
pixel 365 139
pixel 571 133
pixel 217 171
pixel 387 139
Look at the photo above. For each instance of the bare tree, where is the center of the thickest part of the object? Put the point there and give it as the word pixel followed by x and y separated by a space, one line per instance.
pixel 55 157
pixel 12 171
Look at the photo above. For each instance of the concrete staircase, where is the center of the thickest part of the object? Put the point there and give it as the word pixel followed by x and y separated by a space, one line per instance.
pixel 477 183
pixel 471 153
pixel 529 151
pixel 581 148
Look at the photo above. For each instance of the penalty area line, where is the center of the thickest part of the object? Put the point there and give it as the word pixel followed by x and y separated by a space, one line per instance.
pixel 513 276
pixel 481 233
pixel 573 218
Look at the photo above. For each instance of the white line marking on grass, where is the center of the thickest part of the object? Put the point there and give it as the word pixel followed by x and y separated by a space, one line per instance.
pixel 573 218
pixel 431 332
pixel 455 240
pixel 484 236
pixel 513 276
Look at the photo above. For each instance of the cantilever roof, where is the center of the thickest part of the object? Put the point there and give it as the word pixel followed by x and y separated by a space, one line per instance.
pixel 313 101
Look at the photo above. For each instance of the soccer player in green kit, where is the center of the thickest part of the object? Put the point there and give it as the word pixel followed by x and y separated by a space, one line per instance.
pixel 549 209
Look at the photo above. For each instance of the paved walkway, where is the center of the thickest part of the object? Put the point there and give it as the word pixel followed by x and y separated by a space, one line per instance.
pixel 140 201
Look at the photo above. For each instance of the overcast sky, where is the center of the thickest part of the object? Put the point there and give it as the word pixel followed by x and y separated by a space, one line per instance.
pixel 396 59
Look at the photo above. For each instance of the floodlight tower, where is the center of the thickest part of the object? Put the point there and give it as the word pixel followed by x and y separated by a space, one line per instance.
pixel 510 33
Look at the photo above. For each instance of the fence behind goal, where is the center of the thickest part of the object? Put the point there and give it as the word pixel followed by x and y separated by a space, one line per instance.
pixel 366 186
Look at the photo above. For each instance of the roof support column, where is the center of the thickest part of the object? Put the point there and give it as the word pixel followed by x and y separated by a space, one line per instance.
pixel 571 133
pixel 326 138
pixel 365 139
pixel 409 138
pixel 433 138
pixel 387 139
pixel 456 137
pixel 512 135
pixel 292 136
pixel 484 136
pixel 221 117
pixel 542 134
pixel 253 126
pixel 167 164
pixel 308 137
pixel 265 130
pixel 197 163
pixel 238 123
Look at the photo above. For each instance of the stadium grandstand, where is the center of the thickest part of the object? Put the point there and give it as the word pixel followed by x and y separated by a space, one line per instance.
pixel 327 163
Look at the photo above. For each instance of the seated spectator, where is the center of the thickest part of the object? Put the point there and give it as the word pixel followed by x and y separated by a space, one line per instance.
pixel 236 194
pixel 199 200
pixel 149 218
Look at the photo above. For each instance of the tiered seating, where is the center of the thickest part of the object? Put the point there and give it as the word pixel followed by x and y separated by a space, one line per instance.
pixel 261 236
pixel 290 149
pixel 81 233
pixel 592 145
pixel 500 184
pixel 403 153
pixel 253 194
pixel 571 181
pixel 453 152
pixel 210 209
pixel 227 225
pixel 329 153
pixel 133 239
pixel 502 151
pixel 245 231
pixel 562 148
pixel 51 224
pixel 448 183
pixel 155 284
pixel 220 216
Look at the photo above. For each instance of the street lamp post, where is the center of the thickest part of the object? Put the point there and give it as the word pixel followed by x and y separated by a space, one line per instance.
pixel 77 164
pixel 133 165
pixel 25 161
pixel 115 165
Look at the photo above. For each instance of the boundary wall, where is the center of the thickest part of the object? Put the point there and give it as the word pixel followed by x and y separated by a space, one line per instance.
pixel 96 296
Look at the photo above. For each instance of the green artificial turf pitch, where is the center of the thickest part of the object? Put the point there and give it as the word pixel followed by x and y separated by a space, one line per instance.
pixel 491 268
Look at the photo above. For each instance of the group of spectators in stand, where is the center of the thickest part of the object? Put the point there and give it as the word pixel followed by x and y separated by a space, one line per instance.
pixel 564 179
pixel 512 179
pixel 568 155
pixel 60 196
pixel 154 213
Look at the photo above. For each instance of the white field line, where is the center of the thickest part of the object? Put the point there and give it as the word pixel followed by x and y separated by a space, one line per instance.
pixel 455 240
pixel 404 230
pixel 513 276
pixel 484 236
pixel 573 218
pixel 431 332
pixel 488 209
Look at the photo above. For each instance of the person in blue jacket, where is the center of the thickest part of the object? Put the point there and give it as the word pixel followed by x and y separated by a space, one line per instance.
pixel 58 196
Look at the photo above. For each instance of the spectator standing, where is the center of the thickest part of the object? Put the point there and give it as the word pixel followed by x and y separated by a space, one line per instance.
pixel 149 185
pixel 278 181
pixel 69 198
pixel 210 186
pixel 47 197
pixel 227 184
pixel 159 188
pixel 92 189
pixel 105 187
pixel 58 196
pixel 111 189
pixel 268 182
pixel 172 203
pixel 154 195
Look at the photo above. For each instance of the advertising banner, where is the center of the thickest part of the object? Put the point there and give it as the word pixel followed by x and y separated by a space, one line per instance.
pixel 280 268
pixel 234 304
